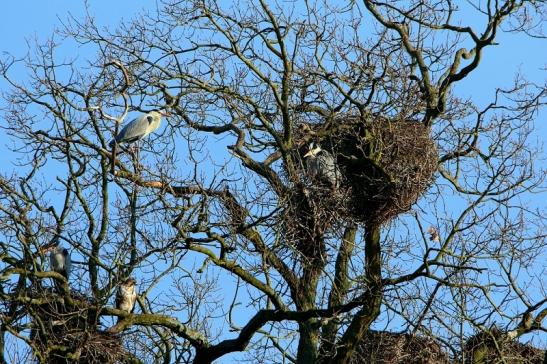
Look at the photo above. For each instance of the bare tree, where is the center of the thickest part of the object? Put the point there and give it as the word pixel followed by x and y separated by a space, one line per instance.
pixel 235 247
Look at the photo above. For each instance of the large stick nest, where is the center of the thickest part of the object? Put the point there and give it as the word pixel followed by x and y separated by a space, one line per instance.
pixel 66 331
pixel 386 164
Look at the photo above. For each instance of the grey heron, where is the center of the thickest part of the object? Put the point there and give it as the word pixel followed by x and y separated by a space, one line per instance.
pixel 126 296
pixel 139 128
pixel 321 166
pixel 59 260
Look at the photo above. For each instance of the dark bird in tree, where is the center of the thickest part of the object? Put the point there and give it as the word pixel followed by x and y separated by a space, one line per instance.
pixel 59 260
pixel 139 128
pixel 321 166
pixel 126 296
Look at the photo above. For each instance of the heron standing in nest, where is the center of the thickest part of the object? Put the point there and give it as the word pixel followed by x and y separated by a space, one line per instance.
pixel 321 166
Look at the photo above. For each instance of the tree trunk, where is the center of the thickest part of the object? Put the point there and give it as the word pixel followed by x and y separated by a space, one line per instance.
pixel 372 298
pixel 339 290
pixel 308 347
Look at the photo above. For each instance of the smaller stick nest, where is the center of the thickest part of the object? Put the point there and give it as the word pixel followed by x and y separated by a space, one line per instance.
pixel 385 164
pixel 383 347
pixel 496 347
pixel 307 216
pixel 68 333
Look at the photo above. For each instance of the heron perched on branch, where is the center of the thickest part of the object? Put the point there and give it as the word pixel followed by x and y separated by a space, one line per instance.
pixel 136 130
pixel 321 166
pixel 139 128
pixel 126 296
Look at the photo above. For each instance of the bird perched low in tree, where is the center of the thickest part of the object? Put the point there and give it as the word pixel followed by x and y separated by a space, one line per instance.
pixel 321 166
pixel 59 260
pixel 433 234
pixel 139 128
pixel 126 296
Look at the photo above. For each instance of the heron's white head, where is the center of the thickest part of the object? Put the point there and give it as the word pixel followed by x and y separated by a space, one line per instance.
pixel 313 150
pixel 154 116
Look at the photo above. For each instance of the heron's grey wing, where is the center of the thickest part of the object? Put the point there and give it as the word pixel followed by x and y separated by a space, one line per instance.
pixel 133 131
pixel 313 167
pixel 122 134
pixel 52 261
pixel 57 261
pixel 329 168
pixel 68 264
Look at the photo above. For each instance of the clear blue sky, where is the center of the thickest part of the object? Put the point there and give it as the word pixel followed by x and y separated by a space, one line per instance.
pixel 26 20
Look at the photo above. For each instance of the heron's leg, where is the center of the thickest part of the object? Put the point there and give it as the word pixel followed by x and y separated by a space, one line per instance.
pixel 113 158
pixel 138 166
pixel 133 151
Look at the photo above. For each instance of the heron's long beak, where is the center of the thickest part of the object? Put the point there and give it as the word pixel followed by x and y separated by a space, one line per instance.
pixel 165 113
pixel 312 152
